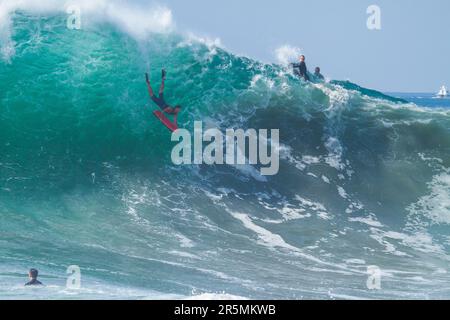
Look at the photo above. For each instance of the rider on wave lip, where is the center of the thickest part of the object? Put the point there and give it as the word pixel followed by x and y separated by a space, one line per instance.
pixel 300 68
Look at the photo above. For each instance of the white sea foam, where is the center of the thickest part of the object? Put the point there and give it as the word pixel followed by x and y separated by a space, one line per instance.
pixel 436 205
pixel 326 180
pixel 265 236
pixel 191 39
pixel 184 241
pixel 274 241
pixel 315 206
pixel 420 241
pixel 259 79
pixel 334 158
pixel 136 20
pixel 183 254
pixel 310 160
pixel 355 261
pixel 342 192
pixel 370 221
pixel 287 54
pixel 216 296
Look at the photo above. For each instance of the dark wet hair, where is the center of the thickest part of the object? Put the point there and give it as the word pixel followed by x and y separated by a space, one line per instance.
pixel 318 69
pixel 34 273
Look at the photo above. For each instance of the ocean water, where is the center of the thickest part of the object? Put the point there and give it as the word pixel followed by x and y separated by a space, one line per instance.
pixel 429 100
pixel 86 177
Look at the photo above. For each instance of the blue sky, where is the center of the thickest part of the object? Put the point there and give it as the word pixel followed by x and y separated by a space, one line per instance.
pixel 411 53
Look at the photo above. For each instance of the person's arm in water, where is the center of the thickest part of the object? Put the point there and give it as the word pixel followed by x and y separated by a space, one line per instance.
pixel 296 67
pixel 149 86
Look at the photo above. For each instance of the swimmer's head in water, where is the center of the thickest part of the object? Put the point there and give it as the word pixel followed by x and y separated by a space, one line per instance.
pixel 317 70
pixel 33 273
pixel 302 58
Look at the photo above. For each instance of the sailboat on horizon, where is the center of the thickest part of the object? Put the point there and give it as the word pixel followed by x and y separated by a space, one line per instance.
pixel 443 93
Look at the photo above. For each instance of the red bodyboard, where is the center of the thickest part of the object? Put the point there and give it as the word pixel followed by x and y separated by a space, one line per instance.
pixel 171 126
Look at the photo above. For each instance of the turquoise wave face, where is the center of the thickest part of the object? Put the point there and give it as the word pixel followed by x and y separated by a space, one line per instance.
pixel 86 176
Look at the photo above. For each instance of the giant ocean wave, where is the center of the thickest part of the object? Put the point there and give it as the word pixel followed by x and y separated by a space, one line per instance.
pixel 86 176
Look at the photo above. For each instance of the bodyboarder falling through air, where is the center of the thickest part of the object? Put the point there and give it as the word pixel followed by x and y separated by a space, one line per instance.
pixel 160 102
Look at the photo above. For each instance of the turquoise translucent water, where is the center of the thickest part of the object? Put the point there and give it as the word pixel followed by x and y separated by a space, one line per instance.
pixel 86 177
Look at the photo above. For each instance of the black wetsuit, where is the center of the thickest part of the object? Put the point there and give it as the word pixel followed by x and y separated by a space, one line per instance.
pixel 160 101
pixel 34 282
pixel 319 76
pixel 301 70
